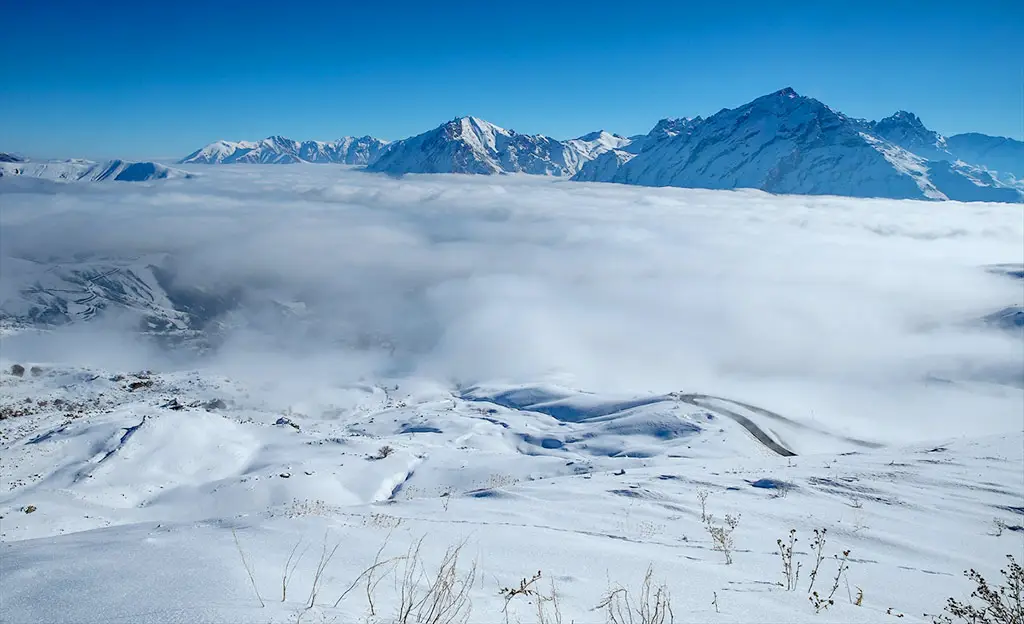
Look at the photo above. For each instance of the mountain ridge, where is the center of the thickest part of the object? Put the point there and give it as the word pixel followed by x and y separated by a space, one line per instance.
pixel 782 142
pixel 281 150
pixel 787 143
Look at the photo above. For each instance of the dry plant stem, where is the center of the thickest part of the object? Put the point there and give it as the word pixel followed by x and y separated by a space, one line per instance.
pixel 368 573
pixel 325 560
pixel 654 605
pixel 248 569
pixel 844 565
pixel 818 547
pixel 790 574
pixel 446 598
pixel 702 496
pixel 289 568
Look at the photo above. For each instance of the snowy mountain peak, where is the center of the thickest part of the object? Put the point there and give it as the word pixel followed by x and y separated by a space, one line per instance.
pixel 787 143
pixel 282 150
pixel 600 135
pixel 906 130
pixel 902 116
pixel 787 92
pixel 472 145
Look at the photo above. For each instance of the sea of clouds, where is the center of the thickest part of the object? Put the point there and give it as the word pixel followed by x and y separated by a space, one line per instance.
pixel 863 315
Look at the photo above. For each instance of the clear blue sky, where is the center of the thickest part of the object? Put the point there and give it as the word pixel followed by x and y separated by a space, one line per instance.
pixel 160 79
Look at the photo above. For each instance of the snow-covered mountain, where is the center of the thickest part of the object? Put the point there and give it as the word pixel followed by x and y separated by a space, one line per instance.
pixel 1000 154
pixel 143 290
pixel 787 143
pixel 76 169
pixel 782 143
pixel 472 145
pixel 909 132
pixel 10 158
pixel 280 150
pixel 604 166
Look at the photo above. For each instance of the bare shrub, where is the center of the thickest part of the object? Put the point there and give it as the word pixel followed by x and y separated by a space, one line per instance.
pixel 702 496
pixel 1002 604
pixel 548 610
pixel 445 597
pixel 382 452
pixel 526 589
pixel 721 535
pixel 653 604
pixel 824 602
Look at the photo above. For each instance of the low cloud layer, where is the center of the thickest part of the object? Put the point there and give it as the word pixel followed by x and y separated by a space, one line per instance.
pixel 826 309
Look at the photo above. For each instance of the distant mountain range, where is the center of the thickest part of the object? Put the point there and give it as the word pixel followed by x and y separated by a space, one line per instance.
pixel 76 169
pixel 279 150
pixel 781 143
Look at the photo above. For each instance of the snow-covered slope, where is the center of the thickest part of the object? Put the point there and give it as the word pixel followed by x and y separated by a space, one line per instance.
pixel 999 154
pixel 280 150
pixel 10 158
pixel 977 160
pixel 87 170
pixel 141 290
pixel 604 166
pixel 472 145
pixel 787 143
pixel 130 496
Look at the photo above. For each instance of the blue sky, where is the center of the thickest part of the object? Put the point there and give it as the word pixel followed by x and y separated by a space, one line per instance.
pixel 148 79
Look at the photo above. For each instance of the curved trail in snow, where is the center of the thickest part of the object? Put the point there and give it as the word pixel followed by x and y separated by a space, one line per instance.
pixel 779 417
pixel 746 423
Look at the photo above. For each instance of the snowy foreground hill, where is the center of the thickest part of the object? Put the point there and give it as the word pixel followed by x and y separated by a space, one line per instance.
pixel 77 169
pixel 782 143
pixel 310 394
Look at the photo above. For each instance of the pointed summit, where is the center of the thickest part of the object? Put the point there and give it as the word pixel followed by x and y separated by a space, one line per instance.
pixel 903 117
pixel 906 130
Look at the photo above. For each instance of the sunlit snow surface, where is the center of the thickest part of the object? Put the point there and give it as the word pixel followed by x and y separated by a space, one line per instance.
pixel 558 366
